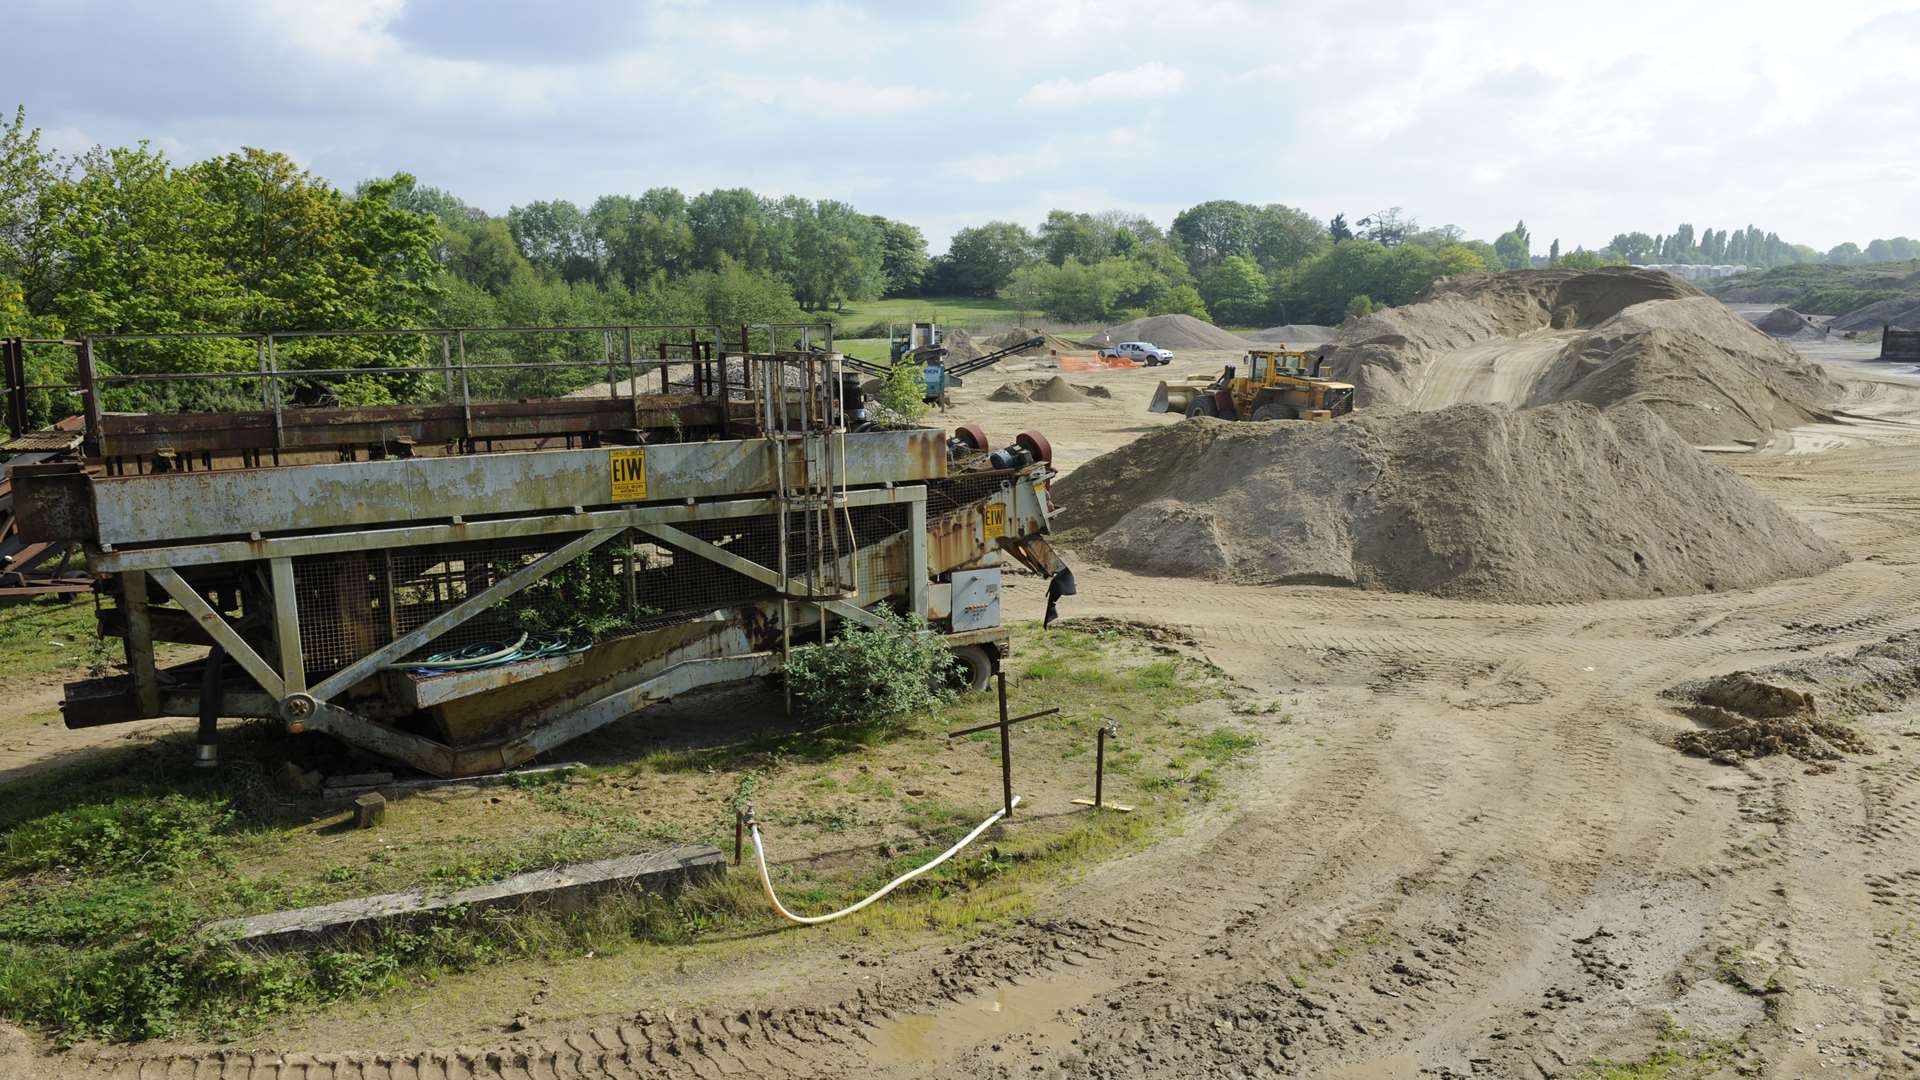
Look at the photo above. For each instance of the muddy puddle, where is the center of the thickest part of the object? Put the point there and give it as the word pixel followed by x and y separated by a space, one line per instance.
pixel 1031 1010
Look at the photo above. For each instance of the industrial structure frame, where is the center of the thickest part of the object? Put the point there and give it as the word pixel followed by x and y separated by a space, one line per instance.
pixel 208 536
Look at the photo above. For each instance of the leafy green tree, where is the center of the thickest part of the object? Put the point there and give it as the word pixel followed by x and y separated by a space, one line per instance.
pixel 557 238
pixel 1074 291
pixel 1582 259
pixel 1515 248
pixel 1284 237
pixel 643 236
pixel 1462 258
pixel 1337 229
pixel 980 260
pixel 28 177
pixel 1635 247
pixel 1359 306
pixel 1553 252
pixel 1213 230
pixel 1235 291
pixel 730 224
pixel 1180 300
pixel 1067 235
pixel 1388 228
pixel 903 257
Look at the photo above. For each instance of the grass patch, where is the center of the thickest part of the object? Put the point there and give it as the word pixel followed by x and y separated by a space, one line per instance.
pixel 107 873
pixel 48 635
pixel 1681 1055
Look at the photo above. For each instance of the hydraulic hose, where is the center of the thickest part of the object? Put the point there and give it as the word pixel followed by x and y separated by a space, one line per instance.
pixel 760 856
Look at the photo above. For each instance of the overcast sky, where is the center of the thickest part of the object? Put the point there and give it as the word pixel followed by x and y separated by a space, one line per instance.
pixel 1583 118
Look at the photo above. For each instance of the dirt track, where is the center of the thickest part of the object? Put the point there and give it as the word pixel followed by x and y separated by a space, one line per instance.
pixel 1465 852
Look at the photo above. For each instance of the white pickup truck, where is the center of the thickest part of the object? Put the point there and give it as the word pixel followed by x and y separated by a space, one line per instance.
pixel 1144 351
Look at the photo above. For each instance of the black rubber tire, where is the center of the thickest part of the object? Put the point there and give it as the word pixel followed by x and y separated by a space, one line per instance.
pixel 1202 405
pixel 1276 411
pixel 972 668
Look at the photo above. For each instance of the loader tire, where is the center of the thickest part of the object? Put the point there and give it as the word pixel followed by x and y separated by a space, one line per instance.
pixel 1202 405
pixel 1276 411
pixel 972 668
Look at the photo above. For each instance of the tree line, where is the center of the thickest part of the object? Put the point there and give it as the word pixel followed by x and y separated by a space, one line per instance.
pixel 125 240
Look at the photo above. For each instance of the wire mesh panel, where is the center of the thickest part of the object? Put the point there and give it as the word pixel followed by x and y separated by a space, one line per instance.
pixel 356 602
pixel 948 495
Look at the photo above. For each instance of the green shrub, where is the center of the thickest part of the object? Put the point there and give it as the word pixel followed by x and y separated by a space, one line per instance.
pixel 869 674
pixel 902 397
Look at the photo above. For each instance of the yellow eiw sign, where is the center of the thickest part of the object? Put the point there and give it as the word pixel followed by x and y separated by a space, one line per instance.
pixel 629 474
pixel 996 525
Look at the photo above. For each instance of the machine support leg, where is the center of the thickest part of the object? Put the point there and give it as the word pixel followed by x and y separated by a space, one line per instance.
pixel 146 681
pixel 917 554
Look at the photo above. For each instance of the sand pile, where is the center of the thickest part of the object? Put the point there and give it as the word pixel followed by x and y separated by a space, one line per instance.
pixel 1784 322
pixel 1170 332
pixel 1564 502
pixel 1053 342
pixel 1607 337
pixel 1901 313
pixel 960 345
pixel 1291 333
pixel 1054 390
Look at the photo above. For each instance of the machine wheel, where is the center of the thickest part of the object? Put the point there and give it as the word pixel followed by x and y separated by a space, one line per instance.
pixel 1036 444
pixel 1274 410
pixel 1202 405
pixel 973 436
pixel 972 668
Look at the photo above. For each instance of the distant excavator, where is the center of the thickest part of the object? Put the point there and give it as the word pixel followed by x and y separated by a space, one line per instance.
pixel 1280 384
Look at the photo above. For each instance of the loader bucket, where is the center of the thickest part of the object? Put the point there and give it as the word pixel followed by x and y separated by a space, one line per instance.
pixel 1171 398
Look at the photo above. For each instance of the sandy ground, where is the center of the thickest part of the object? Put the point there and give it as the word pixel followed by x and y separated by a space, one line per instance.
pixel 1465 850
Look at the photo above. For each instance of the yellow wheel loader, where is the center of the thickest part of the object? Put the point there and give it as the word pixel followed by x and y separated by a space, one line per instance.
pixel 1280 384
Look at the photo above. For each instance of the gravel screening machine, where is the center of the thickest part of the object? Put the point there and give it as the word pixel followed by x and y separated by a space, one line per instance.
pixel 479 574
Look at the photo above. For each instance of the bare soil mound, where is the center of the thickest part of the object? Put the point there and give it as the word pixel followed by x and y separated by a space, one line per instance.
pixel 1564 502
pixel 1171 332
pixel 1632 336
pixel 1303 333
pixel 1054 343
pixel 1901 313
pixel 1784 322
pixel 1795 707
pixel 1056 389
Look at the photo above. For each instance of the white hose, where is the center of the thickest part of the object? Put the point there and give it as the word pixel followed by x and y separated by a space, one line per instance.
pixel 760 854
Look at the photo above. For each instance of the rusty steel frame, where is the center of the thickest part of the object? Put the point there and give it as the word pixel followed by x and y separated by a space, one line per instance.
pixel 802 464
pixel 465 421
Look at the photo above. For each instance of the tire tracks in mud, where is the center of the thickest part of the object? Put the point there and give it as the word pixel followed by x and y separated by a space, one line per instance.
pixel 1477 859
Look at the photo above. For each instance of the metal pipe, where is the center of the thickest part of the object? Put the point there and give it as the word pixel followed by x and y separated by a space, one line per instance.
pixel 206 750
pixel 1006 746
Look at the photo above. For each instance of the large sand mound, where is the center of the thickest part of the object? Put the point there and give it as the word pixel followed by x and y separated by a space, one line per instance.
pixel 1607 337
pixel 1564 502
pixel 1901 313
pixel 1784 322
pixel 1171 332
pixel 1302 333
pixel 1055 390
pixel 1051 342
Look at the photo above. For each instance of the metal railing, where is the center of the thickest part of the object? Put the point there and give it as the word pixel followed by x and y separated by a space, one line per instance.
pixel 700 360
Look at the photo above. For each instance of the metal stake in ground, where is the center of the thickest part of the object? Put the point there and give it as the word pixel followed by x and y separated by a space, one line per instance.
pixel 1108 727
pixel 1006 742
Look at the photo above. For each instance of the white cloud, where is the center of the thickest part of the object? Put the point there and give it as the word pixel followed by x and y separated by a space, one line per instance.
pixel 1150 80
pixel 1476 112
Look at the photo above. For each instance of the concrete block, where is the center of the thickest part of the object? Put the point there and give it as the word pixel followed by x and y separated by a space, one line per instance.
pixel 566 888
pixel 369 810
